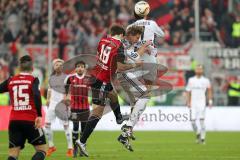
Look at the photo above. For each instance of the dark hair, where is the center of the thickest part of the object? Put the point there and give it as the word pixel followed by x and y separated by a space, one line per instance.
pixel 26 63
pixel 134 30
pixel 80 62
pixel 117 30
pixel 137 17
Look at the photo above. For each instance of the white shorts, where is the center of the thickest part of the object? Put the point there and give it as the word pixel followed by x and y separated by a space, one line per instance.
pixel 197 113
pixel 50 114
pixel 150 67
pixel 132 87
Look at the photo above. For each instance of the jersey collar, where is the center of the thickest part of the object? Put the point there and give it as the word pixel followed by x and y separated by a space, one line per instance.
pixel 116 38
pixel 25 73
pixel 80 77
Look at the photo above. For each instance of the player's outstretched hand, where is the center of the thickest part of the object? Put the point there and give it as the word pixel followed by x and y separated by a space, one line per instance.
pixel 38 122
pixel 149 42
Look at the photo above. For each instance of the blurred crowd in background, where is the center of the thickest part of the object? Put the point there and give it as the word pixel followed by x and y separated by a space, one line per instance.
pixel 81 24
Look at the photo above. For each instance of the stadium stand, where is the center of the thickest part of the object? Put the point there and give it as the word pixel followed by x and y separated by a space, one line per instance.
pixel 81 23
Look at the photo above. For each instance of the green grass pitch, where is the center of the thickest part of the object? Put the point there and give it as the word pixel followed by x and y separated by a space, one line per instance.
pixel 102 145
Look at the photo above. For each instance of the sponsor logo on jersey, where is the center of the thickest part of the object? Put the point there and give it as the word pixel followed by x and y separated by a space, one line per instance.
pixel 134 55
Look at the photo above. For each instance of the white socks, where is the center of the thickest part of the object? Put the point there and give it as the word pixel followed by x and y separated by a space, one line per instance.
pixel 68 136
pixel 137 111
pixel 194 126
pixel 199 130
pixel 203 129
pixel 49 135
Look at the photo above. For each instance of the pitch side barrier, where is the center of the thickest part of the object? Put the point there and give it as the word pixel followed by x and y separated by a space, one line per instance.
pixel 158 118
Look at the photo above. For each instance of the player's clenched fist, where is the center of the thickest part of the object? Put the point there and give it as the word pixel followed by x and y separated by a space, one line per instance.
pixel 38 122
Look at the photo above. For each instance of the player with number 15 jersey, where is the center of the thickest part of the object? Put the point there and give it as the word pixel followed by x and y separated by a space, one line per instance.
pixel 25 118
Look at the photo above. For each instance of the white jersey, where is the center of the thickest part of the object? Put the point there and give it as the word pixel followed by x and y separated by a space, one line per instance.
pixel 198 87
pixel 131 51
pixel 151 29
pixel 56 96
pixel 57 87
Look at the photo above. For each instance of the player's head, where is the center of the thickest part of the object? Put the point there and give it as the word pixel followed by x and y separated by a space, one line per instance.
pixel 26 64
pixel 134 33
pixel 199 70
pixel 80 67
pixel 117 31
pixel 57 65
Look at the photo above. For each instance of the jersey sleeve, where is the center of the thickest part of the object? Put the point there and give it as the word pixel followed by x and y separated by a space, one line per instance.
pixel 158 30
pixel 208 83
pixel 67 84
pixel 189 86
pixel 120 54
pixel 37 97
pixel 4 86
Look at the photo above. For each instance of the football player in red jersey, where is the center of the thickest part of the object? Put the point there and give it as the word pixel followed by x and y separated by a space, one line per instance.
pixel 110 57
pixel 26 117
pixel 77 86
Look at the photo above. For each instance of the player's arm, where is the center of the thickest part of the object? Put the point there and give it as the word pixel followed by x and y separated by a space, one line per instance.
pixel 4 86
pixel 210 95
pixel 37 102
pixel 188 94
pixel 144 48
pixel 158 30
pixel 48 96
pixel 121 66
pixel 67 83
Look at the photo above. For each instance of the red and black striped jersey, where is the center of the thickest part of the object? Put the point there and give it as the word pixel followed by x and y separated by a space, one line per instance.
pixel 78 87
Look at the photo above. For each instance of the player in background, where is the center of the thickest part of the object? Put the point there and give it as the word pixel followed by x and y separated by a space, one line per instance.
pixel 54 96
pixel 77 88
pixel 197 88
pixel 26 117
pixel 110 52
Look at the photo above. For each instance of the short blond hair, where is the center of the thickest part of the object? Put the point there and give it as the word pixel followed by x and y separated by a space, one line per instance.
pixel 134 30
pixel 57 60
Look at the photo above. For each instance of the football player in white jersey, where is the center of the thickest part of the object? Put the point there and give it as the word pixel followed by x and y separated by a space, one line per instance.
pixel 54 96
pixel 146 43
pixel 150 33
pixel 197 99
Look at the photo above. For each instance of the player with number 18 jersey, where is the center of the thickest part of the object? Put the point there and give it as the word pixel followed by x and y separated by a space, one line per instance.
pixel 107 50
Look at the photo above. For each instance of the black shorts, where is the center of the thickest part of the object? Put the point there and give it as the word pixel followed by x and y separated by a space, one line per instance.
pixel 100 91
pixel 79 115
pixel 20 131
